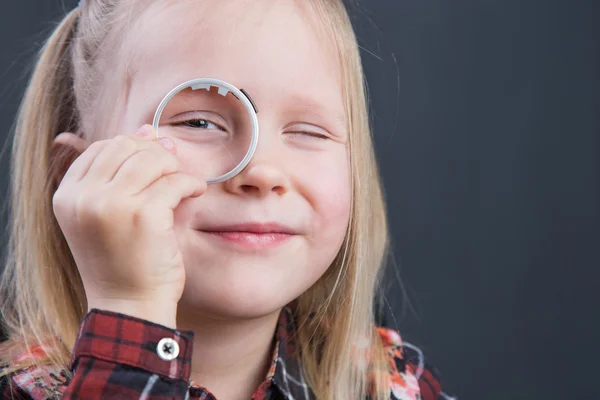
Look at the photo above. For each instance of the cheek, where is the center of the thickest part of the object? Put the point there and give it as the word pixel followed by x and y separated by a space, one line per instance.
pixel 325 184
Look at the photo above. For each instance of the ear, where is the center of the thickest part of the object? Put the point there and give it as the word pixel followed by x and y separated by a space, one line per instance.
pixel 66 147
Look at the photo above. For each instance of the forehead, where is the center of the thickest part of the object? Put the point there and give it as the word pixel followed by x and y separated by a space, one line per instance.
pixel 273 49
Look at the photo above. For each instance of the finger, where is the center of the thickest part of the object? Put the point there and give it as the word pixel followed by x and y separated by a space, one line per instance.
pixel 145 167
pixel 80 167
pixel 119 149
pixel 170 190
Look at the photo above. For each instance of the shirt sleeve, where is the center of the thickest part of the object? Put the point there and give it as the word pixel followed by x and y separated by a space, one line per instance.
pixel 118 356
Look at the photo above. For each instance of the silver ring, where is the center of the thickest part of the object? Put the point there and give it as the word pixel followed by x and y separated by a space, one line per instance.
pixel 224 89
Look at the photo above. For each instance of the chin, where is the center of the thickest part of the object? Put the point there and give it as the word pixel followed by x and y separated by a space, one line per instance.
pixel 232 305
pixel 222 283
pixel 241 293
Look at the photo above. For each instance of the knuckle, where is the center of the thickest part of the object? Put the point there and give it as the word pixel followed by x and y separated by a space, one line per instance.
pixel 123 141
pixel 179 180
pixel 103 209
pixel 59 201
pixel 173 179
pixel 163 188
pixel 140 214
pixel 147 215
pixel 169 161
pixel 90 207
pixel 86 207
pixel 189 181
pixel 96 144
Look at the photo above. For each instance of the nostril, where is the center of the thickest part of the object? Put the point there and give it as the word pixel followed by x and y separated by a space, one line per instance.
pixel 280 190
pixel 249 188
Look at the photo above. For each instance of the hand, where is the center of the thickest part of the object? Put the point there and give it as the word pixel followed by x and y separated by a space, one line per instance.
pixel 115 207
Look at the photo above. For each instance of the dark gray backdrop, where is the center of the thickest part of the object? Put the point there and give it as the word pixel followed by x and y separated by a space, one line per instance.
pixel 487 132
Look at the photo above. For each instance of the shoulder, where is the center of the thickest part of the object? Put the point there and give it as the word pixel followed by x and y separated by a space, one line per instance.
pixel 31 379
pixel 411 376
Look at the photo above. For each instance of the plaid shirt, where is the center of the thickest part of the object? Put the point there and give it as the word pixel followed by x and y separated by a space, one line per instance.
pixel 118 357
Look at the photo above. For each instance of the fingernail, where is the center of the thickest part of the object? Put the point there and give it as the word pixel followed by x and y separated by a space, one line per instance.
pixel 167 144
pixel 145 130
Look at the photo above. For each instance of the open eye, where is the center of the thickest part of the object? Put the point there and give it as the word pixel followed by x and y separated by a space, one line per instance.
pixel 198 123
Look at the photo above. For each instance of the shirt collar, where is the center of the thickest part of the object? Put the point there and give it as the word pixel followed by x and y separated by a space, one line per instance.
pixel 286 372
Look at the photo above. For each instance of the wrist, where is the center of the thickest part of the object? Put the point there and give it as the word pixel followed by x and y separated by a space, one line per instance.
pixel 162 313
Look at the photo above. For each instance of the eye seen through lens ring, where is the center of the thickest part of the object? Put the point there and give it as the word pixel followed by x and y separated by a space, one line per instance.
pixel 215 120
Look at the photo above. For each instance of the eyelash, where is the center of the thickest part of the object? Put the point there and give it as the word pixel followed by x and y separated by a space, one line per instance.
pixel 188 122
pixel 311 134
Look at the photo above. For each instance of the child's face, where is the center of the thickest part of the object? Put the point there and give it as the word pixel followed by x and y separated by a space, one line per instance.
pixel 296 180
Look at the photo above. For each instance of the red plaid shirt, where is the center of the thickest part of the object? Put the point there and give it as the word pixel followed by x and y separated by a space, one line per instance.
pixel 118 357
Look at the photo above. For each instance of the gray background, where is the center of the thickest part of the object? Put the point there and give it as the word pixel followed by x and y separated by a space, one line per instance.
pixel 487 132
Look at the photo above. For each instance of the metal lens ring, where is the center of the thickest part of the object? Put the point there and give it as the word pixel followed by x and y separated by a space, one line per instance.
pixel 224 88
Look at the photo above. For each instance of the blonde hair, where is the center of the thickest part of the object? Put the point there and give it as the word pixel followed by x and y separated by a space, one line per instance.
pixel 44 301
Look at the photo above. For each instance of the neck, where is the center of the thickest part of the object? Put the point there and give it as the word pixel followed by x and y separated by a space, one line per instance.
pixel 231 357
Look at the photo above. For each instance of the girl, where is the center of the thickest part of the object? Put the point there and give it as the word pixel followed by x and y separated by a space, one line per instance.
pixel 129 278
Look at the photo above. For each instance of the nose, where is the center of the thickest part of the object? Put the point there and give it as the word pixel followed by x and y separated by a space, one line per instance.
pixel 264 176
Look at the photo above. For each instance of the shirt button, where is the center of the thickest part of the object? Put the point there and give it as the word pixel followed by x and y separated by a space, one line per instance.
pixel 167 349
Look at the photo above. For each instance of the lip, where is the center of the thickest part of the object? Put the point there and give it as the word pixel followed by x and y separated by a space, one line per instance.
pixel 252 227
pixel 251 236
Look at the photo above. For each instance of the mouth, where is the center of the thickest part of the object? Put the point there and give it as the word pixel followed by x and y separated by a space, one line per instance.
pixel 252 235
